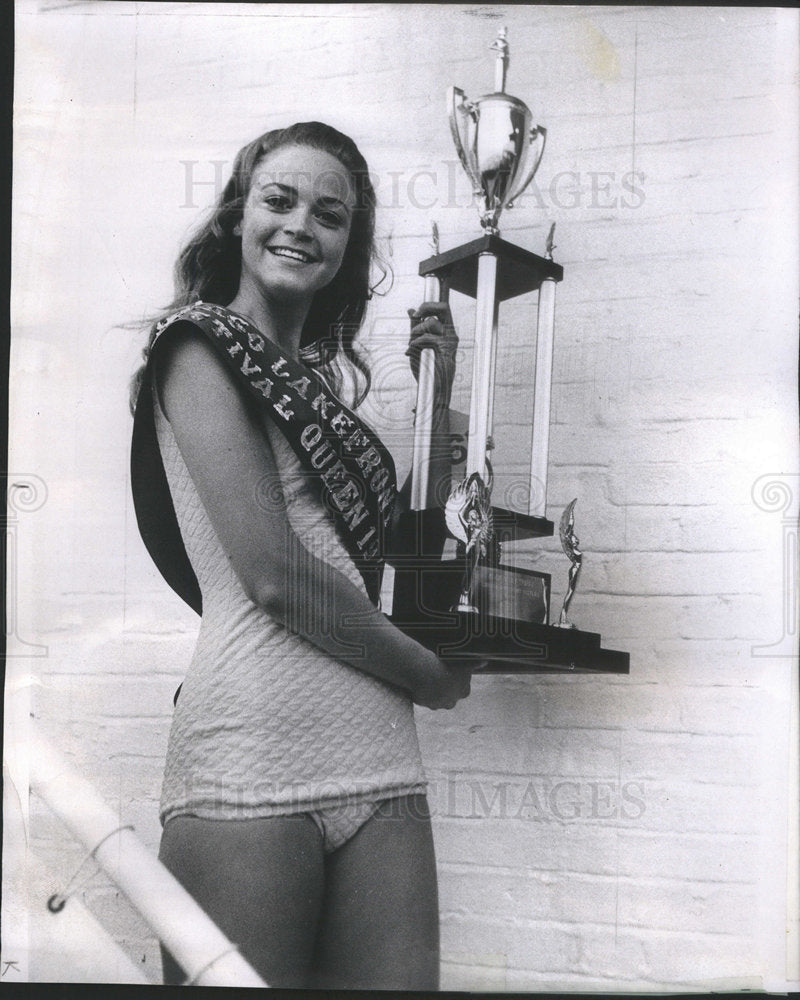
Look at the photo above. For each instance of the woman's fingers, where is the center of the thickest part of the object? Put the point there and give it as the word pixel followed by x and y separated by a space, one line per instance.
pixel 432 327
pixel 430 331
pixel 428 324
pixel 433 316
pixel 423 340
pixel 438 309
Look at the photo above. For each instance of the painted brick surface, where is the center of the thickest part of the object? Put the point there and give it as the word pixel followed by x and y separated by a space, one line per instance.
pixel 591 832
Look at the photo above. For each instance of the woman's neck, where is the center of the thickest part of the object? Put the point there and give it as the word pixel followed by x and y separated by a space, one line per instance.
pixel 282 322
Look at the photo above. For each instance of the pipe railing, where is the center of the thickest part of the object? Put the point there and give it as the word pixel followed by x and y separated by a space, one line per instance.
pixel 196 943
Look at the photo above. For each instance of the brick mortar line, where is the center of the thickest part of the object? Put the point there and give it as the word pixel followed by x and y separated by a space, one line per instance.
pixel 524 923
pixel 466 868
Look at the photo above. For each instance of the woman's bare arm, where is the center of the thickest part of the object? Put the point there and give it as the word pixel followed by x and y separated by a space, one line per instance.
pixel 233 468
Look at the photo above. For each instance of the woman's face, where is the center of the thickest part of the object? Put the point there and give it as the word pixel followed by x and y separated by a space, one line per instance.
pixel 296 223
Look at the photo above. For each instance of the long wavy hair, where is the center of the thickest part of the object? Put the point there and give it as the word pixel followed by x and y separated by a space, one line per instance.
pixel 209 265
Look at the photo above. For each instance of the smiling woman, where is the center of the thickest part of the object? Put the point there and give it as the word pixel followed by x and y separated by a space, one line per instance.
pixel 293 803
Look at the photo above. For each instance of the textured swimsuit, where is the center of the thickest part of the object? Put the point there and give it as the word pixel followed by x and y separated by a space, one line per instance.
pixel 268 724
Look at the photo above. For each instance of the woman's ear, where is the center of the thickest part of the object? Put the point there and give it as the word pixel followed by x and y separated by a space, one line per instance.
pixel 237 229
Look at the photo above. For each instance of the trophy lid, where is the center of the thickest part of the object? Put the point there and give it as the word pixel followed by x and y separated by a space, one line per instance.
pixel 500 45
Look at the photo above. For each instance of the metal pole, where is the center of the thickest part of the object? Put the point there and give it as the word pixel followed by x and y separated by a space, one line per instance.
pixel 197 944
pixel 492 373
pixel 545 324
pixel 481 397
pixel 423 419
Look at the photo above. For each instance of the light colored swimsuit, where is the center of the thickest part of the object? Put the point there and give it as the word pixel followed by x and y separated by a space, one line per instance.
pixel 267 723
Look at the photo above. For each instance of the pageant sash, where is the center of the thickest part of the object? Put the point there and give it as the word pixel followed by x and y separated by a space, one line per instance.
pixel 346 460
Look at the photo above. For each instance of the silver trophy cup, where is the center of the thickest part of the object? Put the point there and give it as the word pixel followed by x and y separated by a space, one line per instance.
pixel 498 147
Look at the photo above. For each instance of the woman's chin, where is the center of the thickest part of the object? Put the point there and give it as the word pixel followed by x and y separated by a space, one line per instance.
pixel 293 287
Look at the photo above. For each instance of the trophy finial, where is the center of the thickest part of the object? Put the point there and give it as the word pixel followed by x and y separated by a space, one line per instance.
pixel 550 244
pixel 435 239
pixel 500 46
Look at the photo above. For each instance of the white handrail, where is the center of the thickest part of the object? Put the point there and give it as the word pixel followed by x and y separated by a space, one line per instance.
pixel 196 943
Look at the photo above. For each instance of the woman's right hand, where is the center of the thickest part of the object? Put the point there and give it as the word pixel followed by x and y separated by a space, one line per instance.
pixel 444 684
pixel 432 327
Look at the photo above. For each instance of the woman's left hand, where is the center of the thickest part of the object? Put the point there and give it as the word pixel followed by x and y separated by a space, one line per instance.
pixel 432 326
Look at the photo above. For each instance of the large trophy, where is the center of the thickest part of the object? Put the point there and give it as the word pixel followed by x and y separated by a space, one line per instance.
pixel 472 606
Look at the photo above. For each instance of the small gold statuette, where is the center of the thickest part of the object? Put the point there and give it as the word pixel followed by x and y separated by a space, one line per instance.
pixel 569 543
pixel 468 516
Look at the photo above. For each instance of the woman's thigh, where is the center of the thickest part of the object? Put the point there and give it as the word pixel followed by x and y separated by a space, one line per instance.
pixel 379 927
pixel 260 881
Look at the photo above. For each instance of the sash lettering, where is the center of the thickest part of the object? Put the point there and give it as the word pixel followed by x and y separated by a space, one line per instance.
pixel 349 464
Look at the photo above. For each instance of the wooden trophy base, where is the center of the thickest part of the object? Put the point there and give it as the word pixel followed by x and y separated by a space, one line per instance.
pixel 511 630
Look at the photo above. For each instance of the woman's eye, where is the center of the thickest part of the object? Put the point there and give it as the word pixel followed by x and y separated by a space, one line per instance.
pixel 277 201
pixel 329 218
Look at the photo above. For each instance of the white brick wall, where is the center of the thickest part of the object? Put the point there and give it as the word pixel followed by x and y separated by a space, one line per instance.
pixel 592 832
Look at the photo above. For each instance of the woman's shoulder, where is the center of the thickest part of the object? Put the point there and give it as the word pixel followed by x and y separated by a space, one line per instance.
pixel 199 314
pixel 188 368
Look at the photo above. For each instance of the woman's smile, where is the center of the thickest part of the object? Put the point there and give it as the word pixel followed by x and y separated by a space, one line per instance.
pixel 293 254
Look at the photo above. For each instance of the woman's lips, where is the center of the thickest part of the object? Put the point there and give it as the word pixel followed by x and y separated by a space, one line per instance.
pixel 291 253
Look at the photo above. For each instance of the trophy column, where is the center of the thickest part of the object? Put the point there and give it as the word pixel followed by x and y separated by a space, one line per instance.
pixel 540 439
pixel 424 410
pixel 427 587
pixel 482 396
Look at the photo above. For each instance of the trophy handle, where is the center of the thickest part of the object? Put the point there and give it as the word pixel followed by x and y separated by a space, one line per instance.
pixel 460 110
pixel 538 132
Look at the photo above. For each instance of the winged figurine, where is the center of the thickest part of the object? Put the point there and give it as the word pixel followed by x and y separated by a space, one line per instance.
pixel 569 543
pixel 468 516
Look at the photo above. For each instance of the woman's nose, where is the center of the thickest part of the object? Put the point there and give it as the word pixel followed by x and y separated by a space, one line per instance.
pixel 297 223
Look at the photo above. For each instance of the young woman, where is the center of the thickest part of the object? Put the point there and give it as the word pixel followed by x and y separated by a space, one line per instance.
pixel 293 803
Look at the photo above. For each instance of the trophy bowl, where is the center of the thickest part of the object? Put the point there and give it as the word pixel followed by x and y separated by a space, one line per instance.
pixel 498 147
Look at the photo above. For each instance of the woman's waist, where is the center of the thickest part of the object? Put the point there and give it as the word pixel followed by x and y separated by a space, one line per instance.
pixel 262 662
pixel 293 715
